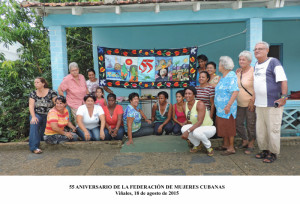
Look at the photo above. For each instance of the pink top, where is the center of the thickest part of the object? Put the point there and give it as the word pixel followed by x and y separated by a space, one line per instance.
pixel 100 102
pixel 180 115
pixel 112 120
pixel 75 91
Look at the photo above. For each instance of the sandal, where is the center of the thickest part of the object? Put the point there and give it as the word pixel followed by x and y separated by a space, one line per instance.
pixel 227 153
pixel 241 146
pixel 189 143
pixel 220 148
pixel 37 151
pixel 249 150
pixel 210 152
pixel 262 154
pixel 195 149
pixel 270 158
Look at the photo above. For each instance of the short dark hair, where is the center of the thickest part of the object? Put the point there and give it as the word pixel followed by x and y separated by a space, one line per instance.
pixel 112 95
pixel 212 63
pixel 192 88
pixel 181 92
pixel 91 70
pixel 132 95
pixel 163 93
pixel 61 99
pixel 203 57
pixel 207 74
pixel 44 81
pixel 89 96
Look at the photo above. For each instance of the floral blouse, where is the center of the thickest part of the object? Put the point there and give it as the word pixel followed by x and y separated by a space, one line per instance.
pixel 42 105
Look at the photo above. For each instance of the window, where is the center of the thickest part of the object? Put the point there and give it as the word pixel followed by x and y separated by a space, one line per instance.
pixel 276 52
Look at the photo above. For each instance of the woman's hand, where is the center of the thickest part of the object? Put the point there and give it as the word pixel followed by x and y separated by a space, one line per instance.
pixel 251 106
pixel 185 135
pixel 69 135
pixel 148 121
pixel 73 129
pixel 110 131
pixel 130 141
pixel 102 135
pixel 227 108
pixel 87 135
pixel 160 129
pixel 34 120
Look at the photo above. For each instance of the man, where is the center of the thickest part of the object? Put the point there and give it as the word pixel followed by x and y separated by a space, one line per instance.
pixel 270 87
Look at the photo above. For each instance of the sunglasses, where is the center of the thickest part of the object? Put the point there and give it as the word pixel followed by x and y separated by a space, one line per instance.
pixel 188 115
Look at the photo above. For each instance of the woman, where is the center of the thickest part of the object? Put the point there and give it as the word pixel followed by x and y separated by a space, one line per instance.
pixel 113 119
pixel 162 114
pixel 57 120
pixel 178 113
pixel 40 102
pixel 205 92
pixel 93 82
pixel 202 60
pixel 245 103
pixel 226 105
pixel 214 78
pixel 132 118
pixel 200 126
pixel 75 86
pixel 88 117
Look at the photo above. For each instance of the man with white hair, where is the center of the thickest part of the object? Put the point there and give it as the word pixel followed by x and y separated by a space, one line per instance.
pixel 270 87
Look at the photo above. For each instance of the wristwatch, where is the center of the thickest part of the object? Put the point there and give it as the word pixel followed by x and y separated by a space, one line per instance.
pixel 188 131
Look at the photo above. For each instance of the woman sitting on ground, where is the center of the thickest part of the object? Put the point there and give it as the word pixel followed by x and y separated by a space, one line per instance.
pixel 57 120
pixel 178 113
pixel 132 118
pixel 88 117
pixel 162 114
pixel 113 119
pixel 200 125
pixel 205 92
pixel 214 78
pixel 40 102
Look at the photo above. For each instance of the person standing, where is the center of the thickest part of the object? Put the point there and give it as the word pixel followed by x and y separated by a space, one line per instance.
pixel 202 60
pixel 93 82
pixel 270 88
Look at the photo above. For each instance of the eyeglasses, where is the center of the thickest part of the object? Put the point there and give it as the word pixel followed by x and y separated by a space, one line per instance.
pixel 258 49
pixel 188 115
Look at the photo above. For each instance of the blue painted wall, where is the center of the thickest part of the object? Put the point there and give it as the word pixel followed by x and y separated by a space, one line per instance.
pixel 174 36
pixel 287 33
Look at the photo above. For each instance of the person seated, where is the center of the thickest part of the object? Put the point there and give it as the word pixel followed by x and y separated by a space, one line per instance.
pixel 132 118
pixel 113 119
pixel 88 117
pixel 178 113
pixel 57 120
pixel 162 114
pixel 200 125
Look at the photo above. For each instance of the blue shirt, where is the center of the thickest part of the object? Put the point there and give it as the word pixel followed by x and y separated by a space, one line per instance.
pixel 132 113
pixel 223 93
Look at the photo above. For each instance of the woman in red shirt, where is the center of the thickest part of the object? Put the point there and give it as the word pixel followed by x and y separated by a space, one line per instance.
pixel 113 119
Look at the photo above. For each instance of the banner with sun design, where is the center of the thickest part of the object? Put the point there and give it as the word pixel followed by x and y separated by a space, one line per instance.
pixel 157 68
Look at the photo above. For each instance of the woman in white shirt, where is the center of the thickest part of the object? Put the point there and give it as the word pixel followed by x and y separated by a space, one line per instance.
pixel 93 82
pixel 87 117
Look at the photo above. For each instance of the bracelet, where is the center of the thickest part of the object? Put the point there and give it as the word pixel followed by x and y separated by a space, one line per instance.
pixel 284 96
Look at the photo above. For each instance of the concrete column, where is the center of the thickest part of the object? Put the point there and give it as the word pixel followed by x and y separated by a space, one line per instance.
pixel 254 34
pixel 95 52
pixel 58 50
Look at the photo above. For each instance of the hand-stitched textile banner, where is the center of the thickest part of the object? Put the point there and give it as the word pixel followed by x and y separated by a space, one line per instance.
pixel 163 68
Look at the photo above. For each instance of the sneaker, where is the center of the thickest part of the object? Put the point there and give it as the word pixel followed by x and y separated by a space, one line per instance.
pixel 210 152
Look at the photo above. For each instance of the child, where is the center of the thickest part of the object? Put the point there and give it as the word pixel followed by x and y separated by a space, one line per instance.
pixel 100 97
pixel 178 114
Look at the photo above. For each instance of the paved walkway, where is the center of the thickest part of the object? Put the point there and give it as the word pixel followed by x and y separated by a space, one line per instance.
pixel 152 155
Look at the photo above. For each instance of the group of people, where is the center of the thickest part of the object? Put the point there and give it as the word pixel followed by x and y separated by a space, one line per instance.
pixel 218 105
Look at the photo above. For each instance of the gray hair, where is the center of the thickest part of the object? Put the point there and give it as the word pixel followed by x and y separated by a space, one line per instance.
pixel 226 62
pixel 73 64
pixel 264 43
pixel 246 54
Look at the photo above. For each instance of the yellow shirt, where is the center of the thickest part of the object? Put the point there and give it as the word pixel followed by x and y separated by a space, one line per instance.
pixel 207 121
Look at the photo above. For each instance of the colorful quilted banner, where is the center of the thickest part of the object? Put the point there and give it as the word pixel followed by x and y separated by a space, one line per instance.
pixel 162 68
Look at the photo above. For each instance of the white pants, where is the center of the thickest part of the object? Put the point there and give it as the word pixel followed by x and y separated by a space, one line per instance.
pixel 200 134
pixel 268 125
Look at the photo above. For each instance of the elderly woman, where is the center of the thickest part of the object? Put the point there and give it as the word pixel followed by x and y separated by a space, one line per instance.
pixel 88 117
pixel 245 102
pixel 200 126
pixel 57 120
pixel 113 119
pixel 162 114
pixel 205 92
pixel 178 115
pixel 75 86
pixel 226 105
pixel 214 78
pixel 40 102
pixel 132 118
pixel 202 60
pixel 93 82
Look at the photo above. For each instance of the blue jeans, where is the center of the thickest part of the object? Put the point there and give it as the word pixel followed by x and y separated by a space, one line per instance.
pixel 36 131
pixel 119 136
pixel 94 133
pixel 177 129
pixel 168 128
